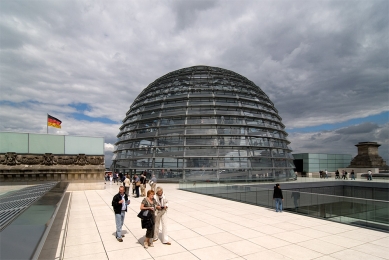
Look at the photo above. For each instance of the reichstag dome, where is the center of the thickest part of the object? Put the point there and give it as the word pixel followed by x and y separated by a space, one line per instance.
pixel 203 123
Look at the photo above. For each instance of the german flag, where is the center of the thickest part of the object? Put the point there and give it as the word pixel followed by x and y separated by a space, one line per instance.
pixel 54 122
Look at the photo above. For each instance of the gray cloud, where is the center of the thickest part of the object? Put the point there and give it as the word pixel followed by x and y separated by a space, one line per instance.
pixel 342 140
pixel 320 62
pixel 358 129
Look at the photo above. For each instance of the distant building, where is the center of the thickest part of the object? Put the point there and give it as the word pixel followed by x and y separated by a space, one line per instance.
pixel 368 156
pixel 316 162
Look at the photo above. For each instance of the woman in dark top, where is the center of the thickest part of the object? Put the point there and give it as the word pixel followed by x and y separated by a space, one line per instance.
pixel 149 203
pixel 277 196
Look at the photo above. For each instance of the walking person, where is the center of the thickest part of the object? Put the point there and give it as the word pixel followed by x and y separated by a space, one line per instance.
pixel 153 182
pixel 115 178
pixel 369 175
pixel 137 185
pixel 119 204
pixel 345 175
pixel 133 185
pixel 127 184
pixel 337 174
pixel 150 204
pixel 161 216
pixel 277 196
pixel 352 175
pixel 143 182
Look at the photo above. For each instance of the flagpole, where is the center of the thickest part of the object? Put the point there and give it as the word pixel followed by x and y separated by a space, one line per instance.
pixel 47 124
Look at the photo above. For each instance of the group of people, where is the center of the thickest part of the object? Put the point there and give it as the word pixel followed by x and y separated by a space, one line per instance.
pixel 154 209
pixel 344 175
pixel 138 183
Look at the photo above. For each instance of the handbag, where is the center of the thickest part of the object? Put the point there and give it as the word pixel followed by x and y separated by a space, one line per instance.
pixel 143 213
pixel 137 183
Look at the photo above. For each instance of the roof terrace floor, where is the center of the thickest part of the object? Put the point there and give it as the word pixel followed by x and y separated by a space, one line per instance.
pixel 204 227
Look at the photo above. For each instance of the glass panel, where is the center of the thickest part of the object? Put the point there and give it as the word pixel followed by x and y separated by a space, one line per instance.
pixel 168 163
pixel 148 123
pixel 200 151
pixel 259 141
pixel 280 163
pixel 257 131
pixel 55 144
pixel 200 120
pixel 175 103
pixel 261 162
pixel 232 152
pixel 262 152
pixel 169 151
pixel 262 173
pixel 230 130
pixel 230 120
pixel 149 114
pixel 201 174
pixel 142 163
pixel 233 162
pixel 201 101
pixel 232 140
pixel 206 110
pixel 166 141
pixel 86 145
pixel 172 121
pixel 228 111
pixel 169 131
pixel 174 111
pixel 201 162
pixel 198 130
pixel 255 121
pixel 13 142
pixel 226 102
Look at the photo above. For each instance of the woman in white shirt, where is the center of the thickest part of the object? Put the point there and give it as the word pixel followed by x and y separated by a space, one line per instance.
pixel 161 216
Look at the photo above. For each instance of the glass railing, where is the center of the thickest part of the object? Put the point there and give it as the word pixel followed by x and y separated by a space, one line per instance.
pixel 348 210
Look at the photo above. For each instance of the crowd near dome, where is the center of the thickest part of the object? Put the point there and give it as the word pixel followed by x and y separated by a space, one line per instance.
pixel 203 123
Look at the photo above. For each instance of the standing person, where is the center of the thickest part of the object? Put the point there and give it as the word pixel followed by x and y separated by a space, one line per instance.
pixel 337 174
pixel 137 185
pixel 369 175
pixel 127 184
pixel 119 204
pixel 149 203
pixel 153 183
pixel 161 216
pixel 326 174
pixel 345 175
pixel 105 177
pixel 115 178
pixel 143 182
pixel 277 196
pixel 133 185
pixel 352 175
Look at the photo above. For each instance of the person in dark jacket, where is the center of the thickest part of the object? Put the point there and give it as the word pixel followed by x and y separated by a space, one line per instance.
pixel 277 196
pixel 119 204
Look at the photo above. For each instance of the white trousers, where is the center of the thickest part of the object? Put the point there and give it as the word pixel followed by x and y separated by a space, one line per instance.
pixel 161 217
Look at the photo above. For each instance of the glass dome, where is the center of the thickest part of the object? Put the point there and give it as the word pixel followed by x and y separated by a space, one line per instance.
pixel 204 123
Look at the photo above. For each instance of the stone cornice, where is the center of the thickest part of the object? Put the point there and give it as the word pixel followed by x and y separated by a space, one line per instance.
pixel 49 159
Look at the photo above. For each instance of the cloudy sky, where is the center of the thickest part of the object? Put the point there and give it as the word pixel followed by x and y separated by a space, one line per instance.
pixel 324 64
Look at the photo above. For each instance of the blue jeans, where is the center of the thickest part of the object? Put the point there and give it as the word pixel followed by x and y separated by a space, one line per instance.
pixel 119 219
pixel 278 204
